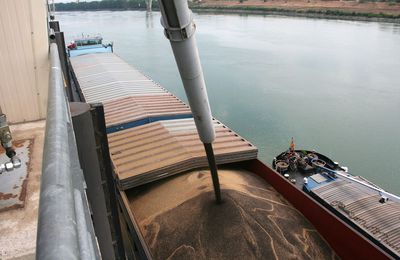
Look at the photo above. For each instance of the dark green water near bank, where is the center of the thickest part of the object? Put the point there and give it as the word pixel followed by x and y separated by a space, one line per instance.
pixel 332 85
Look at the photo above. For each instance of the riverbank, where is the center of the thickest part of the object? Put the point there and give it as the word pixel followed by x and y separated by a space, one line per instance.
pixel 309 14
pixel 343 10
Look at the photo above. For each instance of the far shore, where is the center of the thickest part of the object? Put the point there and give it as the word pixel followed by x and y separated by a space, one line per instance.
pixel 307 14
pixel 327 9
pixel 323 9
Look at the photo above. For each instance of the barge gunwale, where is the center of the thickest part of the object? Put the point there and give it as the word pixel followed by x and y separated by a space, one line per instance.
pixel 347 193
pixel 331 227
pixel 134 231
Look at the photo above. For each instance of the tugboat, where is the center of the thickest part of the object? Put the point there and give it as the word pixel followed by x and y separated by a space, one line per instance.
pixel 298 166
pixel 88 44
pixel 363 205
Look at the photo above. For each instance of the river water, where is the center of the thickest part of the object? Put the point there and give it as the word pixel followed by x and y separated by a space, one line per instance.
pixel 332 85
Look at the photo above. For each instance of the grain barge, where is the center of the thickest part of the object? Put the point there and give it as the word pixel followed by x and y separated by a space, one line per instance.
pixel 165 192
pixel 164 184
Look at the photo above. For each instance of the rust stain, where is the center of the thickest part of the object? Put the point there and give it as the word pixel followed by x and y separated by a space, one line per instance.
pixel 15 206
pixel 6 196
pixel 23 193
pixel 28 163
pixel 19 143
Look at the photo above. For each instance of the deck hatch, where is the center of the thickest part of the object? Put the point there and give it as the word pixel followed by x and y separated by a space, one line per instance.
pixel 362 206
pixel 164 148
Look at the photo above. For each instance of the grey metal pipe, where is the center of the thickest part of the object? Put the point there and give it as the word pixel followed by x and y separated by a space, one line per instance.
pixel 179 29
pixel 52 35
pixel 57 235
pixel 214 171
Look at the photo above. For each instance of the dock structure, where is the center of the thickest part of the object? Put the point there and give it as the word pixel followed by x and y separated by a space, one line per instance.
pixel 379 221
pixel 152 134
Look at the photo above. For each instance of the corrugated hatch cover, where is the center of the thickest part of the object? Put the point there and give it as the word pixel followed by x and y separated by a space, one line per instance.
pixel 362 205
pixel 160 149
pixel 152 150
pixel 105 76
pixel 129 97
pixel 119 113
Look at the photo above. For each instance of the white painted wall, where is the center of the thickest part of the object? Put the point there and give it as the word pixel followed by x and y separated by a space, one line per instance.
pixel 24 61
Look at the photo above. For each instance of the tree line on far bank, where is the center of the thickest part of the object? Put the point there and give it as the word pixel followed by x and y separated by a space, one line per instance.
pixel 141 4
pixel 104 5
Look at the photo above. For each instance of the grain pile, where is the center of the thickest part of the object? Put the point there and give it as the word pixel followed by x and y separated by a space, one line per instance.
pixel 180 220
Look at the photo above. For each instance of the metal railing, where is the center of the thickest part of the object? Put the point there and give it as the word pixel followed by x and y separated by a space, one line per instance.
pixel 65 230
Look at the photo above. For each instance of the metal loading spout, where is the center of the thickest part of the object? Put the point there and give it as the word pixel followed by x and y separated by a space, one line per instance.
pixel 179 27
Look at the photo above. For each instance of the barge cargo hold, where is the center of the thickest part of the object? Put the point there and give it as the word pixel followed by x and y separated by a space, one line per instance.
pixel 179 219
pixel 165 197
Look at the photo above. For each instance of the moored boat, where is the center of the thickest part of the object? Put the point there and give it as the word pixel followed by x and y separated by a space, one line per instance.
pixel 88 44
pixel 362 204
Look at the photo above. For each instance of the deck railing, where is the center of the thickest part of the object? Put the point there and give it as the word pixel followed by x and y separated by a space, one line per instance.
pixel 65 230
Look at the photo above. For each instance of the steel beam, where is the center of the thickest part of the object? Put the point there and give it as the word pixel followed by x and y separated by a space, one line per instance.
pixel 86 143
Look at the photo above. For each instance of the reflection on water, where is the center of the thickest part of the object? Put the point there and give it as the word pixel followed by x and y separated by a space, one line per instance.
pixel 389 27
pixel 149 19
pixel 332 85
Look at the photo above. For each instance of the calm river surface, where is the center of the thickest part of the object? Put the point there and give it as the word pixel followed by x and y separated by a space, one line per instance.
pixel 332 85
